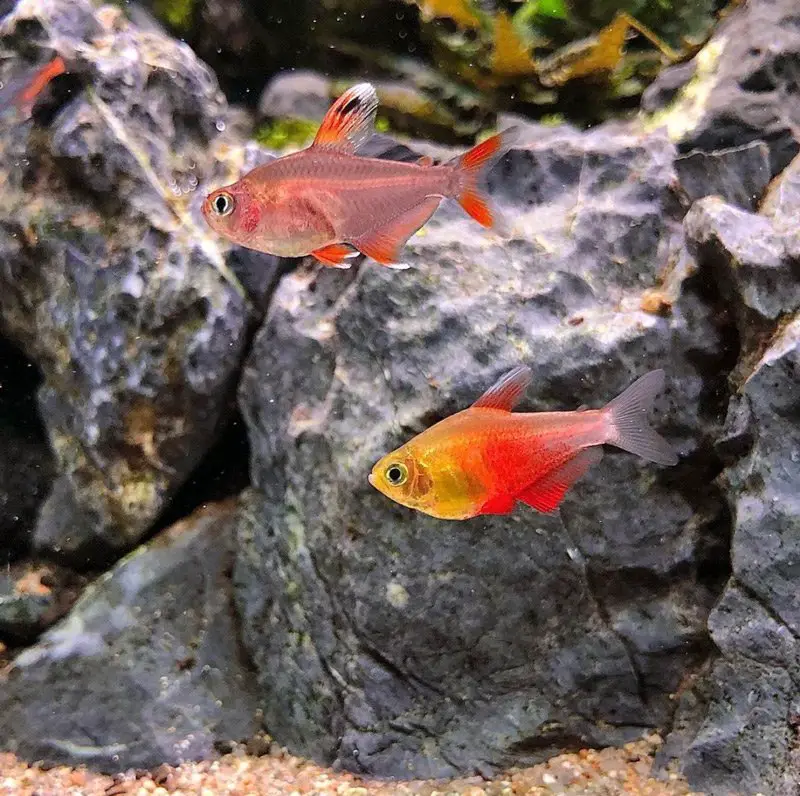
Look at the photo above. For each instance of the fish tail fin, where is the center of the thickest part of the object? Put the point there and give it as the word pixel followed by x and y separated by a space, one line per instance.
pixel 630 429
pixel 468 168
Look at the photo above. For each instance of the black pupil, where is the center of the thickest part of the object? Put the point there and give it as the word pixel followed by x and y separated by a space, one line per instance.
pixel 221 203
pixel 394 474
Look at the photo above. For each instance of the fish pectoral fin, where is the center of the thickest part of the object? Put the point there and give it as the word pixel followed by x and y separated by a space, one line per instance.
pixel 384 244
pixel 502 504
pixel 547 493
pixel 506 392
pixel 350 121
pixel 335 255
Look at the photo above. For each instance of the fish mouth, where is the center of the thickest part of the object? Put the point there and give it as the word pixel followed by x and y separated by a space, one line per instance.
pixel 371 479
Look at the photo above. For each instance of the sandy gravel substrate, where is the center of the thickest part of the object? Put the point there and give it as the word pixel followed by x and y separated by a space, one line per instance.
pixel 595 772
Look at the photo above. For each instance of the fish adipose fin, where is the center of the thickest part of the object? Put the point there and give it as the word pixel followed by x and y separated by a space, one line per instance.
pixel 350 121
pixel 631 430
pixel 506 392
pixel 470 165
pixel 383 245
pixel 335 255
pixel 547 493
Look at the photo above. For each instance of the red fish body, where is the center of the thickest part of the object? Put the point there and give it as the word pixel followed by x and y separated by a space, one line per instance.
pixel 484 459
pixel 327 201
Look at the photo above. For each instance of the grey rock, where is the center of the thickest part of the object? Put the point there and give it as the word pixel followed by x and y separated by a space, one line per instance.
pixel 759 274
pixel 739 175
pixel 299 94
pixel 750 258
pixel 665 88
pixel 393 644
pixel 146 669
pixel 109 280
pixel 745 736
pixel 743 88
pixel 736 731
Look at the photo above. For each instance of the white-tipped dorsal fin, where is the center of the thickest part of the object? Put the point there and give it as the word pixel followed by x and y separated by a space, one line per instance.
pixel 507 391
pixel 350 121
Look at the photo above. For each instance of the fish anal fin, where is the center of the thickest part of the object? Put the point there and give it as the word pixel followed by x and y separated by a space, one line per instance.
pixel 384 244
pixel 546 494
pixel 500 504
pixel 350 120
pixel 506 392
pixel 335 255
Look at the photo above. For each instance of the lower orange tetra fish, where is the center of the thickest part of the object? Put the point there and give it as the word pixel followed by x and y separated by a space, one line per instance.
pixel 327 201
pixel 484 459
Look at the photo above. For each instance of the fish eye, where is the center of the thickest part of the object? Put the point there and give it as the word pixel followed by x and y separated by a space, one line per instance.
pixel 222 204
pixel 397 474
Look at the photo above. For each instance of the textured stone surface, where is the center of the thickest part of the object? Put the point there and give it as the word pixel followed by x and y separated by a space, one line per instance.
pixel 381 640
pixel 395 644
pixel 146 668
pixel 108 279
pixel 737 729
pixel 739 175
pixel 742 88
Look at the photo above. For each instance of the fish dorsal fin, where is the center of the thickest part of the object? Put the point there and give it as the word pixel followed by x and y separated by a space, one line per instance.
pixel 507 391
pixel 350 120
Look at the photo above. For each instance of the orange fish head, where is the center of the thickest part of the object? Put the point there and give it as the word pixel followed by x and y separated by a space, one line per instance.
pixel 232 212
pixel 403 478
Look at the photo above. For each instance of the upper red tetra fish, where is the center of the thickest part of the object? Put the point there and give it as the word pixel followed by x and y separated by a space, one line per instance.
pixel 327 201
pixel 484 459
pixel 22 91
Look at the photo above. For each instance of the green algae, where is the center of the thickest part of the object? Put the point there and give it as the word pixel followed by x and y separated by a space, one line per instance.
pixel 284 133
pixel 178 14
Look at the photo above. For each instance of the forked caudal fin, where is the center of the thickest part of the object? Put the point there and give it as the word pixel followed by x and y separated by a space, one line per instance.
pixel 469 167
pixel 631 430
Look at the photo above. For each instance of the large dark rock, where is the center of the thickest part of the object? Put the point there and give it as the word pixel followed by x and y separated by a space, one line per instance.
pixel 108 278
pixel 398 645
pixel 742 86
pixel 738 727
pixel 146 668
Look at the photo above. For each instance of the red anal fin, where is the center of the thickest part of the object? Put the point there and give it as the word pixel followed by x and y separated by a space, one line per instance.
pixel 384 244
pixel 350 120
pixel 506 392
pixel 546 494
pixel 335 255
pixel 501 504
